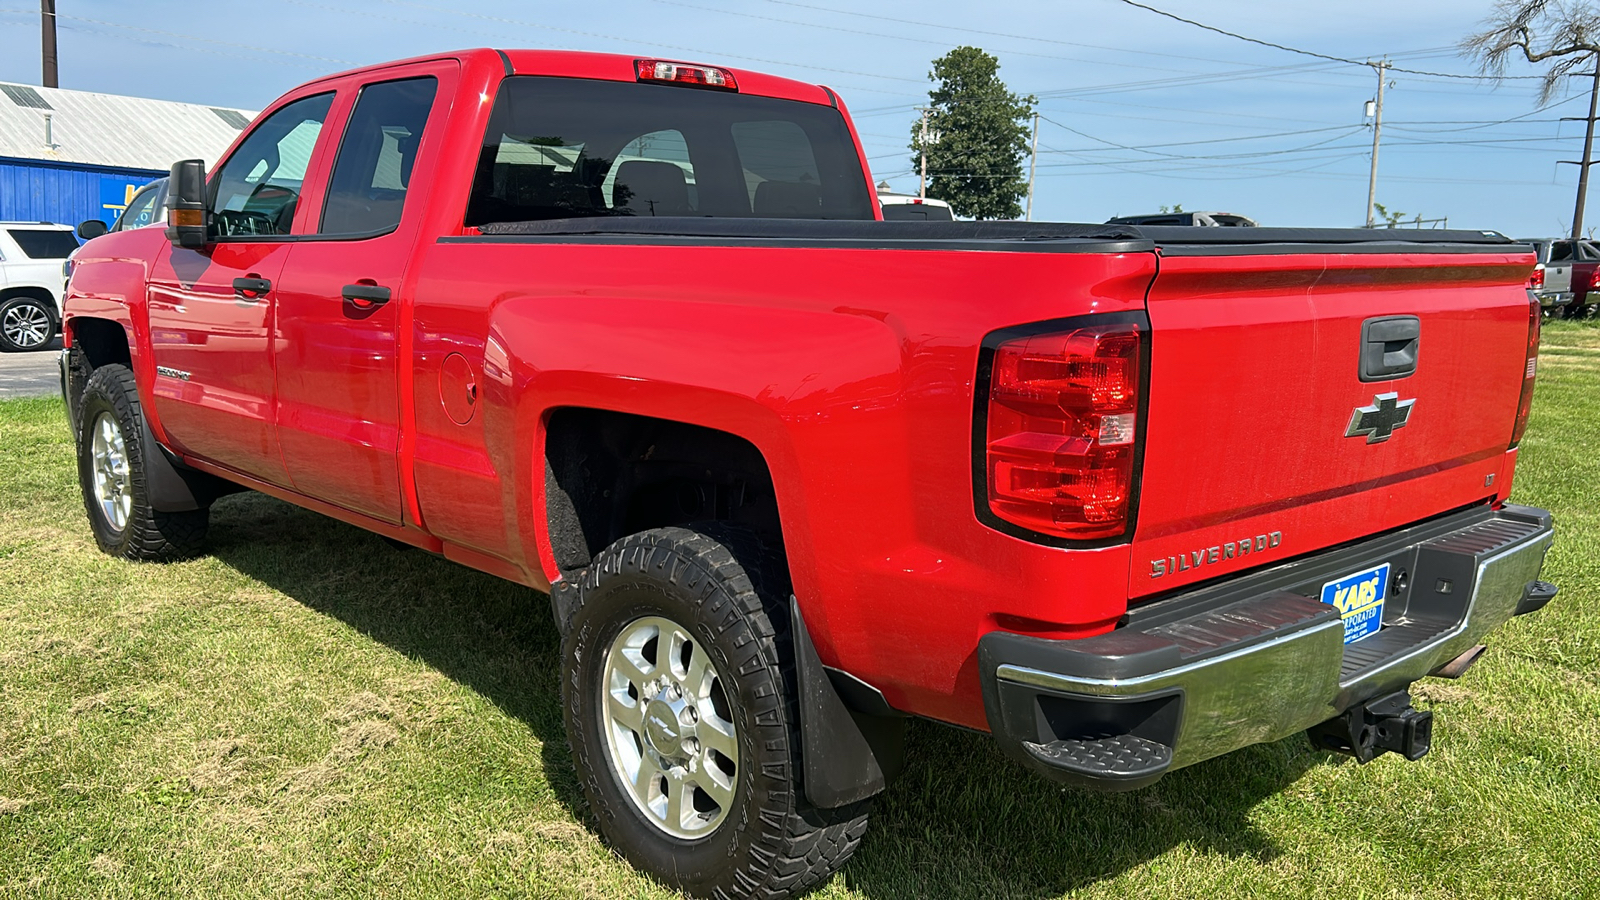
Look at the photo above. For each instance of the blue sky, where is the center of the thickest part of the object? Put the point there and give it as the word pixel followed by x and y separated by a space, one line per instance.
pixel 1140 111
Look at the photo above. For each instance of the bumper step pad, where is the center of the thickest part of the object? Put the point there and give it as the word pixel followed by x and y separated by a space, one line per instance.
pixel 1118 758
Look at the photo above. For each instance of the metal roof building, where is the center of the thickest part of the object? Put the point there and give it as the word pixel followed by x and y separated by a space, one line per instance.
pixel 67 156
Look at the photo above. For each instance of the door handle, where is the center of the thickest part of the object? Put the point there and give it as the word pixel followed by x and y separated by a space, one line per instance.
pixel 370 294
pixel 251 287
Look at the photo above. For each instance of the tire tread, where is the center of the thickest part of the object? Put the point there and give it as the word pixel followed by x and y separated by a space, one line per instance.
pixel 151 535
pixel 803 845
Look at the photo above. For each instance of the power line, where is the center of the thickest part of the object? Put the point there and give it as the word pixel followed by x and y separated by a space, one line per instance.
pixel 898 37
pixel 611 37
pixel 1340 59
pixel 185 37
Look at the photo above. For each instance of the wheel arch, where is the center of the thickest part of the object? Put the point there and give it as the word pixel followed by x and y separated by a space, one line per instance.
pixel 36 291
pixel 608 474
pixel 102 341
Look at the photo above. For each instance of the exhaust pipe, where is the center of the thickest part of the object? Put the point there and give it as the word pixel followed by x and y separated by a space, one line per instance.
pixel 1458 667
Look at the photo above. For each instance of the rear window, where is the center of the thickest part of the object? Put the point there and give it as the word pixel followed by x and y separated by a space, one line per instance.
pixel 38 244
pixel 565 148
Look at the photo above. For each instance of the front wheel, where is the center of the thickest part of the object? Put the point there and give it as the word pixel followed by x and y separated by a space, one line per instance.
pixel 112 475
pixel 681 709
pixel 26 323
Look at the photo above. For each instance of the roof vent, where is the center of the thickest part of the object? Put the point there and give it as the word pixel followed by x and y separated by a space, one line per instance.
pixel 22 95
pixel 232 117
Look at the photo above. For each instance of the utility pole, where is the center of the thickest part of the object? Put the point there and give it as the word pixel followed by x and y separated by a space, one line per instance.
pixel 47 36
pixel 1033 164
pixel 923 190
pixel 1588 152
pixel 1377 130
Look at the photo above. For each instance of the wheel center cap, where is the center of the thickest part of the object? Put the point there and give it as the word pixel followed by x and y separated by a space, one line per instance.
pixel 661 727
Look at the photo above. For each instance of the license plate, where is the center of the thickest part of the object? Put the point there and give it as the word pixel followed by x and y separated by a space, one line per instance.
pixel 1359 599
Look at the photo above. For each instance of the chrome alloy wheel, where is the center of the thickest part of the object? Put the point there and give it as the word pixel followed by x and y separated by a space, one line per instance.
pixel 113 478
pixel 27 326
pixel 669 727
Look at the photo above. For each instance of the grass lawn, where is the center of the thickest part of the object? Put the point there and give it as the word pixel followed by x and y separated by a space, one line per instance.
pixel 308 712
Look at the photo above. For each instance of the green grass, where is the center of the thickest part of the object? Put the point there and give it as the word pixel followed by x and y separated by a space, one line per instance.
pixel 307 712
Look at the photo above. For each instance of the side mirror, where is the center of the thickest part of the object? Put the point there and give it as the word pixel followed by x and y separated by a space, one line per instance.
pixel 186 205
pixel 91 229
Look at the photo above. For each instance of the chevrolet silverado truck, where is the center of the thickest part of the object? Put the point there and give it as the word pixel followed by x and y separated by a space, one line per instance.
pixel 632 332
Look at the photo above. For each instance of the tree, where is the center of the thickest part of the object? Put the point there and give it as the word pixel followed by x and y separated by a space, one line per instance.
pixel 1537 30
pixel 1567 31
pixel 1393 218
pixel 977 137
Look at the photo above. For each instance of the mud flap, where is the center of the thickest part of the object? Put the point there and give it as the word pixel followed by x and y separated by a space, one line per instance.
pixel 847 754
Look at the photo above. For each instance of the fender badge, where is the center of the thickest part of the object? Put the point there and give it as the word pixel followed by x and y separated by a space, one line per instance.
pixel 1379 421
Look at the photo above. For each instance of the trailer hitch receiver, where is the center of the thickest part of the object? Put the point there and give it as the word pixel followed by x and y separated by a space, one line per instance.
pixel 1369 729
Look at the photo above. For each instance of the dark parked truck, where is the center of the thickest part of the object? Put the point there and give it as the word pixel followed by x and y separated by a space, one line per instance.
pixel 631 332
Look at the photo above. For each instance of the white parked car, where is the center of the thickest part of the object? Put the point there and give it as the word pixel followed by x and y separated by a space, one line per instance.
pixel 31 256
pixel 911 208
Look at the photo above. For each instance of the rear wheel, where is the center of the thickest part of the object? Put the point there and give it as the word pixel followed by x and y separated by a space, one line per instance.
pixel 681 710
pixel 26 323
pixel 112 475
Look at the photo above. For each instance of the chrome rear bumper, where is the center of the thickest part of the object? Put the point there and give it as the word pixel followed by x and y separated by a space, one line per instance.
pixel 1257 658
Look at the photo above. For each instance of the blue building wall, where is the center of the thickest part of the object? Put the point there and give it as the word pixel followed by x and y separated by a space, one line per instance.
pixel 34 190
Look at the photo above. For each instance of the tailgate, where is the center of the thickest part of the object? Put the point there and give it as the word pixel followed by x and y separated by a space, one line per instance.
pixel 1255 386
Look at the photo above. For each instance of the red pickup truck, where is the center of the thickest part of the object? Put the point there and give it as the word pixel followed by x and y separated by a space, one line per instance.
pixel 1126 498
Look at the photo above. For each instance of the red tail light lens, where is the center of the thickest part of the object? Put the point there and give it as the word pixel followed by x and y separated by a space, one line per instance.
pixel 1530 372
pixel 1536 280
pixel 684 73
pixel 1061 433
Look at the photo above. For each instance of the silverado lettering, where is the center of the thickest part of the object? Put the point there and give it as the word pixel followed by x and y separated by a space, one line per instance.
pixel 1215 554
pixel 575 320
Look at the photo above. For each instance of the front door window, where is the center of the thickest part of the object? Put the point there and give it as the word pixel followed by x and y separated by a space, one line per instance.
pixel 258 189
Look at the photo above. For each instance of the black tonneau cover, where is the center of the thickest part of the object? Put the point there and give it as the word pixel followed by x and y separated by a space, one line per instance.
pixel 1056 236
pixel 1203 241
pixel 1049 237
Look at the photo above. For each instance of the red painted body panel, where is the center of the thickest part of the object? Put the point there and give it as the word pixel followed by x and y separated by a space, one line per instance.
pixel 822 374
pixel 1254 381
pixel 223 410
pixel 338 387
pixel 850 370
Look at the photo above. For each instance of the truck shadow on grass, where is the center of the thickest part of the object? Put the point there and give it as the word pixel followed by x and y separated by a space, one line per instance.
pixel 961 821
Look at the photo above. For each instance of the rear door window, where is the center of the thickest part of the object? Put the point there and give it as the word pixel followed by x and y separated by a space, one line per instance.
pixel 568 147
pixel 42 244
pixel 367 191
pixel 258 188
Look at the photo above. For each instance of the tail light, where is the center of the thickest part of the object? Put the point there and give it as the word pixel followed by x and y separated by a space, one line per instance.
pixel 1529 372
pixel 684 73
pixel 1061 431
pixel 1536 280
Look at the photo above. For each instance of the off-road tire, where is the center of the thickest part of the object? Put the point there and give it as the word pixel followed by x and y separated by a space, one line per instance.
pixel 729 594
pixel 149 533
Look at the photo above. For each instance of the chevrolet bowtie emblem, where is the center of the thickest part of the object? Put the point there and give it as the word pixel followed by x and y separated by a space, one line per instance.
pixel 1379 420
